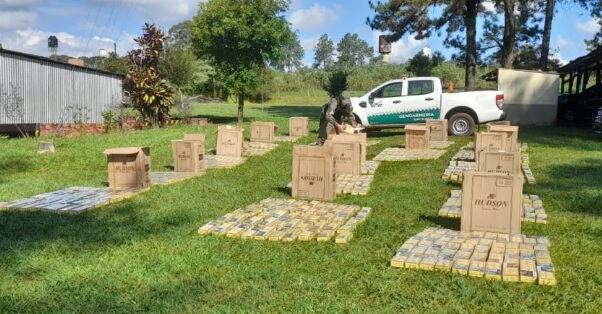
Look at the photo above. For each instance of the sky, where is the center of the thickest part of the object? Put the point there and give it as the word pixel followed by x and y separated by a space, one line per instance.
pixel 86 26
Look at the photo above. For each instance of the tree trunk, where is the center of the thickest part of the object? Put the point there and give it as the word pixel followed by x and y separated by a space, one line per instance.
pixel 547 31
pixel 509 35
pixel 470 20
pixel 241 105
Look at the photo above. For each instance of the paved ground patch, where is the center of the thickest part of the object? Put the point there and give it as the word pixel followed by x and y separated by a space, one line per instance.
pixel 289 220
pixel 501 257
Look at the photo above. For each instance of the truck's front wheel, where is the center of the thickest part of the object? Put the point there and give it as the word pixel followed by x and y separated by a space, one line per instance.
pixel 461 124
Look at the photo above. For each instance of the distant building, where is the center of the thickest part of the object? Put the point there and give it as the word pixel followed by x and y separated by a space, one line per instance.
pixel 76 61
pixel 50 89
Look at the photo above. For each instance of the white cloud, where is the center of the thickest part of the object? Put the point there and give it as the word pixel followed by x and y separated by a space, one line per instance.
pixel 403 49
pixel 314 18
pixel 557 56
pixel 34 41
pixel 489 6
pixel 103 39
pixel 19 3
pixel 309 43
pixel 562 42
pixel 591 27
pixel 162 12
pixel 10 20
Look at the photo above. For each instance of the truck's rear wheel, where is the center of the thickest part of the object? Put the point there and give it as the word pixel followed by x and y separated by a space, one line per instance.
pixel 461 124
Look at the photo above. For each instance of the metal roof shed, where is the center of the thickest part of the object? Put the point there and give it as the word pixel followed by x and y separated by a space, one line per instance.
pixel 576 74
pixel 50 90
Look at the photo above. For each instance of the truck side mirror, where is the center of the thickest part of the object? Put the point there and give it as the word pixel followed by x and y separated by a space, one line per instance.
pixel 363 104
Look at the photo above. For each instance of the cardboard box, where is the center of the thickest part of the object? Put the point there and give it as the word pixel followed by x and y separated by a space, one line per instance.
pixel 437 129
pixel 229 141
pixel 361 138
pixel 499 162
pixel 189 153
pixel 313 173
pixel 417 137
pixel 262 132
pixel 298 126
pixel 491 202
pixel 128 167
pixel 488 141
pixel 347 153
pixel 488 125
pixel 510 136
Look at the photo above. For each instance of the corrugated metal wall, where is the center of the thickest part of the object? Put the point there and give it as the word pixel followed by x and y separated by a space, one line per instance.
pixel 51 91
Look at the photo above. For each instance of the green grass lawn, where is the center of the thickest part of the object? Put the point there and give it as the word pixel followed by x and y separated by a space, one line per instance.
pixel 144 254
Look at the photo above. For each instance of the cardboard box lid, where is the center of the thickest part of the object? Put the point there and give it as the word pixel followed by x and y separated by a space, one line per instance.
pixel 123 151
pixel 503 128
pixel 416 127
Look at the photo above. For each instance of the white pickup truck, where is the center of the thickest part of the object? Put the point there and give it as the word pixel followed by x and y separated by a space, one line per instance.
pixel 413 100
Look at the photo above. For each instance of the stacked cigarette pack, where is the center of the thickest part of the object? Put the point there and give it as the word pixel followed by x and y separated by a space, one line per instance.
pixel 289 220
pixel 493 256
pixel 354 185
pixel 402 154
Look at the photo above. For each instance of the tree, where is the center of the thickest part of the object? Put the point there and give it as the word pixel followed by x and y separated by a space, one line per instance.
pixel 438 58
pixel 147 90
pixel 595 42
pixel 509 39
pixel 240 37
pixel 114 64
pixel 293 55
pixel 547 34
pixel 404 17
pixel 177 66
pixel 353 51
pixel 420 65
pixel 519 31
pixel 324 52
pixel 178 35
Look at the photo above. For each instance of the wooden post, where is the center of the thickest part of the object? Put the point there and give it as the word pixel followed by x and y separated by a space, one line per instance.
pixel 599 73
pixel 585 79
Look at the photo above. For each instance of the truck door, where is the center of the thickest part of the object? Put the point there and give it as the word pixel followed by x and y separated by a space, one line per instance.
pixel 384 105
pixel 421 102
